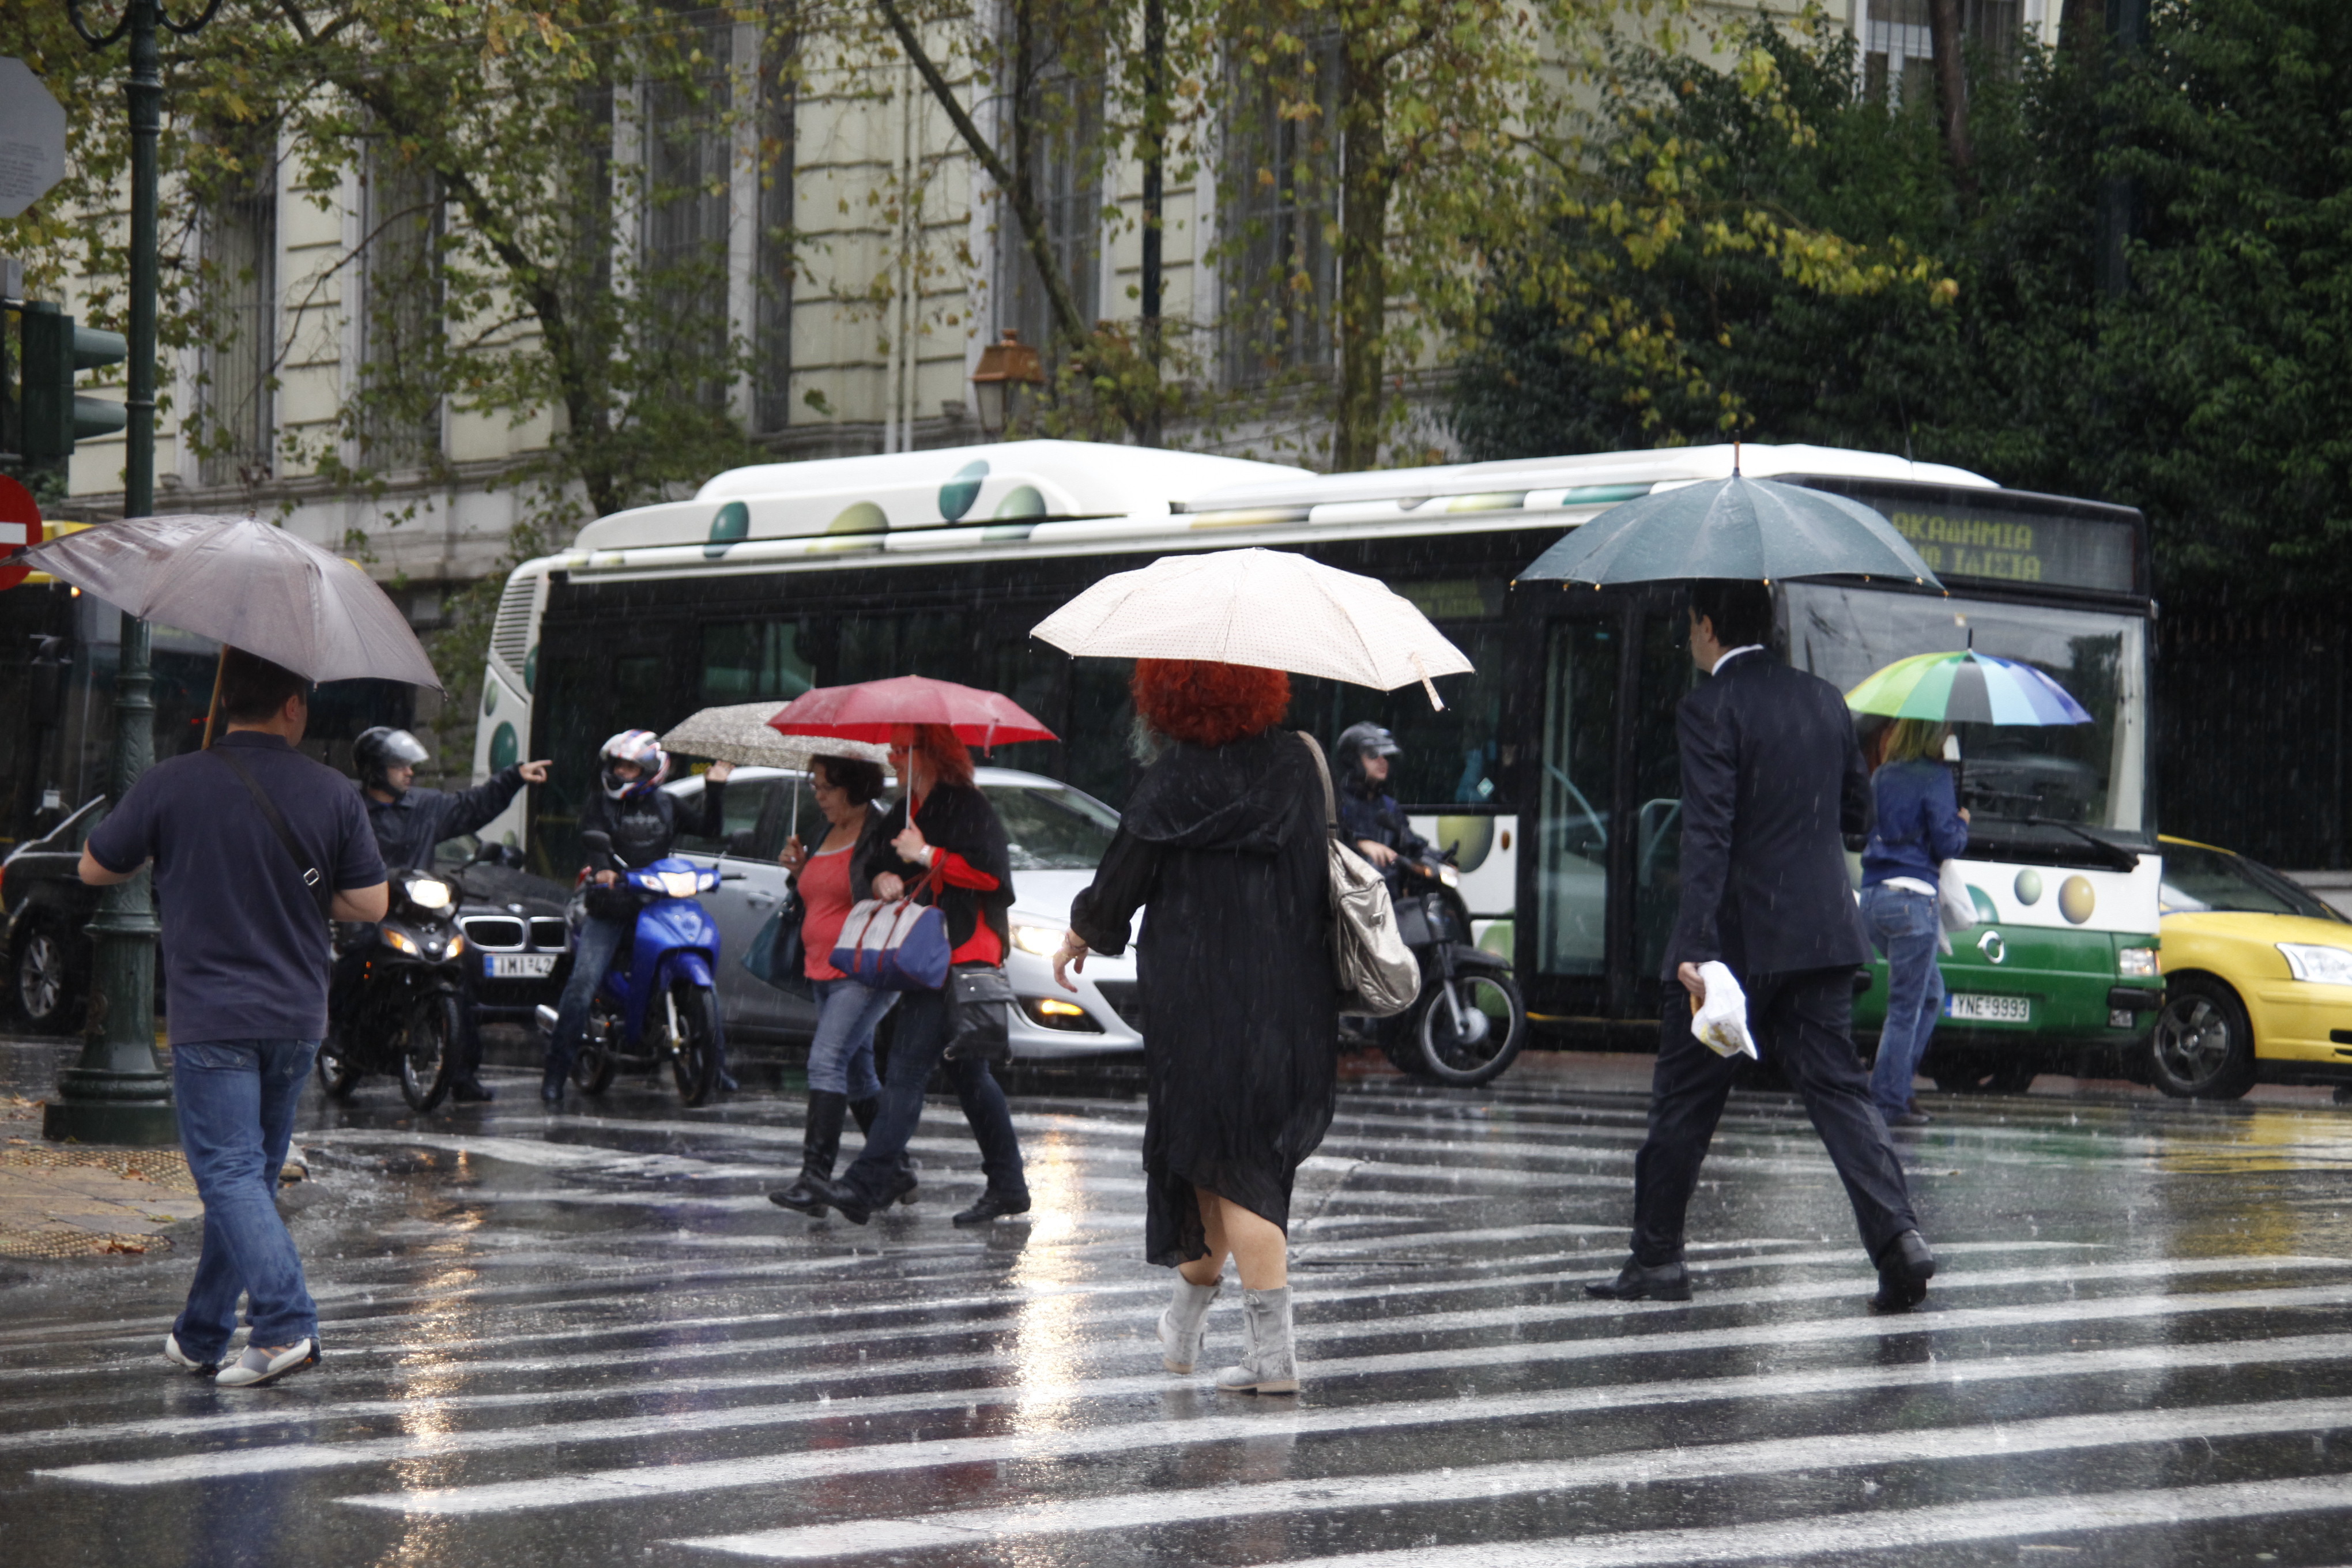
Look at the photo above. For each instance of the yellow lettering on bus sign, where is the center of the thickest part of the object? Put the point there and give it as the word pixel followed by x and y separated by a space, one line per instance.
pixel 1972 547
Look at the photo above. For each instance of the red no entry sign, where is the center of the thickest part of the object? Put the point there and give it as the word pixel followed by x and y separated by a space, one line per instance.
pixel 20 530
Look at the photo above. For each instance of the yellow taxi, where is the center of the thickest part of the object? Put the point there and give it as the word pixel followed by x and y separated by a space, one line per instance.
pixel 2257 978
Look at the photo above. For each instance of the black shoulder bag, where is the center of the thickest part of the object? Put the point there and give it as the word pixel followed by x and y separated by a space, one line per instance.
pixel 312 878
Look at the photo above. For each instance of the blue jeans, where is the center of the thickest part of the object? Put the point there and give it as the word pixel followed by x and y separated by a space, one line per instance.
pixel 592 954
pixel 1903 926
pixel 915 1050
pixel 237 1101
pixel 841 1057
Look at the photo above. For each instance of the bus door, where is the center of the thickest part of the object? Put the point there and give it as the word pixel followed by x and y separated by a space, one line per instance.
pixel 1607 795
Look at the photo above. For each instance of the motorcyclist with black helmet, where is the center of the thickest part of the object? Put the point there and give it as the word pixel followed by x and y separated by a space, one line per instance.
pixel 630 807
pixel 1370 817
pixel 409 824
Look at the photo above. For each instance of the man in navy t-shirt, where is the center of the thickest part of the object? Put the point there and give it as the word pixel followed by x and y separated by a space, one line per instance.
pixel 246 958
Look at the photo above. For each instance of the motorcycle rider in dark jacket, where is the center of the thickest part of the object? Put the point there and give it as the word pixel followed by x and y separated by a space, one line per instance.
pixel 1370 817
pixel 630 807
pixel 409 824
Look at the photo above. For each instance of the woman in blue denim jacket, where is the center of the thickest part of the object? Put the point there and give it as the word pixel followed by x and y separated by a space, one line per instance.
pixel 1920 826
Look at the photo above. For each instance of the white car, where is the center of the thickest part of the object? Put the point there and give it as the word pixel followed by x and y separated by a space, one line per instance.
pixel 1057 834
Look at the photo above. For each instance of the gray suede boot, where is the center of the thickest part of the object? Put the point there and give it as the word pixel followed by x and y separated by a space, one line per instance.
pixel 1270 1364
pixel 1184 1324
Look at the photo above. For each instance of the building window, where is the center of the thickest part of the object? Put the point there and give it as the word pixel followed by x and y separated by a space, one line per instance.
pixel 1064 114
pixel 1898 59
pixel 775 250
pixel 688 162
pixel 400 408
pixel 239 243
pixel 1280 203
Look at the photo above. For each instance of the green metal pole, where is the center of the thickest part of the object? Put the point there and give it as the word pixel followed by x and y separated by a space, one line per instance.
pixel 117 1093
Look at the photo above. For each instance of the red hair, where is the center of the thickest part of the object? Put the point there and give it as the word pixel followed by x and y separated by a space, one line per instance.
pixel 1207 703
pixel 945 758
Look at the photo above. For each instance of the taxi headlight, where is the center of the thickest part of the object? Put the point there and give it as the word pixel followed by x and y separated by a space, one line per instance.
pixel 2136 962
pixel 1043 940
pixel 400 941
pixel 2320 965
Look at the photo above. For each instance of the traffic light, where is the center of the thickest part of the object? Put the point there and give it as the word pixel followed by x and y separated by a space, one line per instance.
pixel 53 351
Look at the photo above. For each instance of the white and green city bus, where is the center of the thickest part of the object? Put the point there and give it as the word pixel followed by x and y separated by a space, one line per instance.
pixel 1551 769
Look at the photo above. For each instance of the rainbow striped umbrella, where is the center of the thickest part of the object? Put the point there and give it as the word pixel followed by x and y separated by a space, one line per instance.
pixel 1966 689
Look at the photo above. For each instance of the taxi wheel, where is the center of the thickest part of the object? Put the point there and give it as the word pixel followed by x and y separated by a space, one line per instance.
pixel 2202 1047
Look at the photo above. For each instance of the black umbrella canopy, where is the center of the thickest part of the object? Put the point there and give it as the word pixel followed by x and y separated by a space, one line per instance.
pixel 240 581
pixel 1752 529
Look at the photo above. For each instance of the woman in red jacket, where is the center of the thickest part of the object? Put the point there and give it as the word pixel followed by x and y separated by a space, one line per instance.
pixel 941 839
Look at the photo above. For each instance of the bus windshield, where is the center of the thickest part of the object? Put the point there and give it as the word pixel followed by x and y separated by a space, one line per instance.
pixel 2024 786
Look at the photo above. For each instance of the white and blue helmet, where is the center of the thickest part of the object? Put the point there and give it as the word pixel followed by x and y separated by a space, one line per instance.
pixel 642 747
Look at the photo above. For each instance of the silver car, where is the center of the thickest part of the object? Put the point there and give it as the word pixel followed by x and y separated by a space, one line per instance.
pixel 1057 834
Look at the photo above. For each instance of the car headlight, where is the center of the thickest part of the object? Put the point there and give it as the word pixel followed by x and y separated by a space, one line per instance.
pixel 400 941
pixel 1043 940
pixel 2320 965
pixel 2136 962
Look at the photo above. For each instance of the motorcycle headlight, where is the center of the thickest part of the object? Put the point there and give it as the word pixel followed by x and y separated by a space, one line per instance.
pixel 400 941
pixel 1448 876
pixel 429 892
pixel 457 945
pixel 1043 940
pixel 2320 965
pixel 678 884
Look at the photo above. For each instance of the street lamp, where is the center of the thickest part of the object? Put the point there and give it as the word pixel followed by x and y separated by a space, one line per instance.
pixel 117 1093
pixel 1006 386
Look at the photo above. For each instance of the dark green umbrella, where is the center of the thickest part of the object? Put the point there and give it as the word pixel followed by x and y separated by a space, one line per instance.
pixel 1753 530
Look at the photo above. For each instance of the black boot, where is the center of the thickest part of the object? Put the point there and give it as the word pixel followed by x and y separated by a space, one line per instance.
pixel 903 1181
pixel 558 1068
pixel 820 1142
pixel 1904 1266
pixel 842 1196
pixel 1639 1281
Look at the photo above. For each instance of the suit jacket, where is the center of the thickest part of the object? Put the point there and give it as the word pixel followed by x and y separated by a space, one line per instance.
pixel 1772 782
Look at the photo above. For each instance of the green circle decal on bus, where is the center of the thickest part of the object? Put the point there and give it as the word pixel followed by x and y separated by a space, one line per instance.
pixel 2029 886
pixel 530 669
pixel 506 748
pixel 489 697
pixel 957 495
pixel 731 527
pixel 1022 500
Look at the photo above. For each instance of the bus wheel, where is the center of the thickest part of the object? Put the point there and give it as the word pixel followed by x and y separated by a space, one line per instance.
pixel 2202 1047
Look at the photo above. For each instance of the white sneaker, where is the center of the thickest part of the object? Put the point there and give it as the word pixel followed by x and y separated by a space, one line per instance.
pixel 258 1366
pixel 182 1359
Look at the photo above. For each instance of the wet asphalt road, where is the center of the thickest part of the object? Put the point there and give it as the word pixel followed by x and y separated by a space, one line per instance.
pixel 589 1338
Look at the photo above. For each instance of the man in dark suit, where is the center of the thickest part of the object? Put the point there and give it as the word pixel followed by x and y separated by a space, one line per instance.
pixel 1772 783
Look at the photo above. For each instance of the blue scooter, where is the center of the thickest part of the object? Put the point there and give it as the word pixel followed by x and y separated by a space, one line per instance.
pixel 657 1004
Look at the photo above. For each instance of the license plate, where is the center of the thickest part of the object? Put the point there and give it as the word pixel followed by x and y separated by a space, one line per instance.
pixel 517 965
pixel 1989 1009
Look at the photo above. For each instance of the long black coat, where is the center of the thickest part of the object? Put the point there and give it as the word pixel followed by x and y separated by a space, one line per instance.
pixel 1772 779
pixel 1240 1008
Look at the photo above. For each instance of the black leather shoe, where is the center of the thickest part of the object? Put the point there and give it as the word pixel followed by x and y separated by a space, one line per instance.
pixel 550 1086
pixel 839 1195
pixel 800 1199
pixel 904 1187
pixel 465 1091
pixel 1640 1282
pixel 993 1205
pixel 1903 1270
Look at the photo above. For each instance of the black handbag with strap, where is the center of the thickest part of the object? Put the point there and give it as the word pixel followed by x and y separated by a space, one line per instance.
pixel 980 1014
pixel 314 880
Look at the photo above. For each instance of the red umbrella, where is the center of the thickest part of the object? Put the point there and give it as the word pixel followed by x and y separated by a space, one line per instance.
pixel 868 710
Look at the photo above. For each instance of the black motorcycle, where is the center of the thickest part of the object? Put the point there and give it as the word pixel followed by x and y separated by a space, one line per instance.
pixel 407 1013
pixel 1469 1022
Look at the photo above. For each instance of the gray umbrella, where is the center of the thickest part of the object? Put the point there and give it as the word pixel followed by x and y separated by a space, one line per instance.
pixel 1752 529
pixel 241 581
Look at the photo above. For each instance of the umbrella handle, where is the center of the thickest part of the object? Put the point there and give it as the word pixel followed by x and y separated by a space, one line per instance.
pixel 1436 702
pixel 212 715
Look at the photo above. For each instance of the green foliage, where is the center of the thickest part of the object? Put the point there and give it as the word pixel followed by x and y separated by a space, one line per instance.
pixel 2210 393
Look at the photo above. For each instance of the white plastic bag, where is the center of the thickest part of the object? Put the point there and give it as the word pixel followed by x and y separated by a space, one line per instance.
pixel 1721 1021
pixel 1955 907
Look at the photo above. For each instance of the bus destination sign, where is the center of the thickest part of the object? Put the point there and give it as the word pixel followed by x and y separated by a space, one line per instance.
pixel 2028 546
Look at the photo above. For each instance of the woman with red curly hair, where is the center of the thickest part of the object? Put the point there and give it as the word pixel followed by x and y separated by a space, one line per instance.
pixel 1223 841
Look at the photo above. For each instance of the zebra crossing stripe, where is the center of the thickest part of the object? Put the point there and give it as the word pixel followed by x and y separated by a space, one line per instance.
pixel 721 1474
pixel 984 1528
pixel 182 1467
pixel 2027 1519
